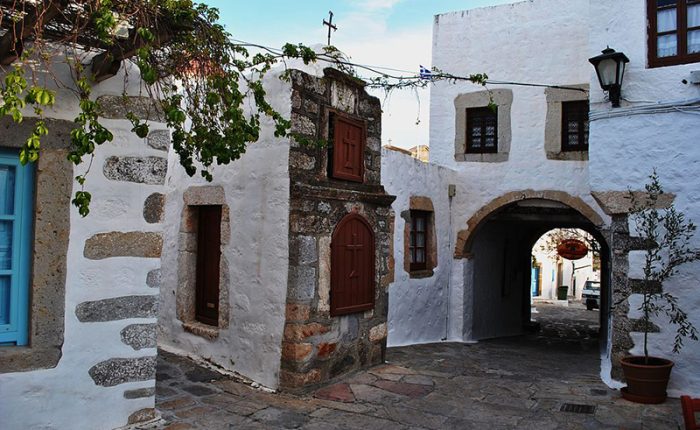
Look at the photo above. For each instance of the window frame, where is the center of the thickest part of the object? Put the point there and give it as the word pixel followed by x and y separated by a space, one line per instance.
pixel 413 236
pixel 682 56
pixel 16 332
pixel 481 113
pixel 573 108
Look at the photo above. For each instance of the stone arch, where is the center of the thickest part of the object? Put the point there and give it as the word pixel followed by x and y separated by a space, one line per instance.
pixel 465 236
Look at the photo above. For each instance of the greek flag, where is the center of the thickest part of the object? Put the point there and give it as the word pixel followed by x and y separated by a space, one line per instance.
pixel 425 73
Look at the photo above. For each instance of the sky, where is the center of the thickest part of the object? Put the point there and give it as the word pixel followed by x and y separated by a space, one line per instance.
pixel 391 33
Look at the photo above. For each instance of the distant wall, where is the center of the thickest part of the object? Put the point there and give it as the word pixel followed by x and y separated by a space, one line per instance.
pixel 418 306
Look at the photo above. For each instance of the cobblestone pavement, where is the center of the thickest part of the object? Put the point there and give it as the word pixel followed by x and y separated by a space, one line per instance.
pixel 520 382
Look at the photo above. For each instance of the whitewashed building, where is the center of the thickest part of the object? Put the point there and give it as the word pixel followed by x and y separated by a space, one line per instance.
pixel 499 179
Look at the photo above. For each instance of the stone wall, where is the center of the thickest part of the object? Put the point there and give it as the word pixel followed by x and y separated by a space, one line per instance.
pixel 317 347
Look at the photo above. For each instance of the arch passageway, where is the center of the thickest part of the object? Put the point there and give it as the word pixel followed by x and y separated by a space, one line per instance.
pixel 499 279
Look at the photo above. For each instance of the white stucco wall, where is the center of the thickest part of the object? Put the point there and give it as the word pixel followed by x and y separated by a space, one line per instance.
pixel 257 193
pixel 66 397
pixel 418 308
pixel 256 188
pixel 507 43
pixel 628 142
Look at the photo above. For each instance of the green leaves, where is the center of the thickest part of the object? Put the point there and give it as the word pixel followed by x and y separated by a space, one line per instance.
pixel 669 237
pixel 82 202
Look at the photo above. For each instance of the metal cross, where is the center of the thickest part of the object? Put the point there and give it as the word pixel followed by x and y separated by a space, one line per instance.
pixel 330 25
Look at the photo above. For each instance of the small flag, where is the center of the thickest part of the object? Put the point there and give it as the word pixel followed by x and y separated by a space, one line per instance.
pixel 425 73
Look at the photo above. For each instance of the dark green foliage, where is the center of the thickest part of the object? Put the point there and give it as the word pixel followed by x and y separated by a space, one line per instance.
pixel 670 233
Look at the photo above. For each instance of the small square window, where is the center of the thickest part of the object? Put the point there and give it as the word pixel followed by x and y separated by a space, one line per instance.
pixel 482 130
pixel 674 32
pixel 574 127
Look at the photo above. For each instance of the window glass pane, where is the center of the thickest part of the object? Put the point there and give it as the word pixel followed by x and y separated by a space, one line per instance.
pixel 666 20
pixel 420 224
pixel 573 139
pixel 490 130
pixel 694 15
pixel 420 240
pixel 420 256
pixel 573 127
pixel 4 299
pixel 476 131
pixel 7 189
pixel 490 142
pixel 5 245
pixel 661 3
pixel 666 46
pixel 693 42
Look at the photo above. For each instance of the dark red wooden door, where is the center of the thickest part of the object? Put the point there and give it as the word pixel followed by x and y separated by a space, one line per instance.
pixel 352 266
pixel 208 258
pixel 348 147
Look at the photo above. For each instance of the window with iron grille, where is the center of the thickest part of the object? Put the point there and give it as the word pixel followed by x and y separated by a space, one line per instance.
pixel 674 32
pixel 482 130
pixel 418 246
pixel 574 127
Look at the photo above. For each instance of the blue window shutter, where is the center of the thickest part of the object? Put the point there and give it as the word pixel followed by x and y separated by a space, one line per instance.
pixel 16 215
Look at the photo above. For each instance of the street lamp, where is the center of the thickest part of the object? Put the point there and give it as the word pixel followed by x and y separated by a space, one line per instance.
pixel 610 67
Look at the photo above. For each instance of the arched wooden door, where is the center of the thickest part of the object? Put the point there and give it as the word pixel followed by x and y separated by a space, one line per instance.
pixel 352 266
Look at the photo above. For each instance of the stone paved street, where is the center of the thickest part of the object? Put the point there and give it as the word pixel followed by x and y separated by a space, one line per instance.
pixel 499 384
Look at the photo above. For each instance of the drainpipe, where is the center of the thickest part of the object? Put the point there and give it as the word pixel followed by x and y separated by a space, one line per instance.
pixel 451 192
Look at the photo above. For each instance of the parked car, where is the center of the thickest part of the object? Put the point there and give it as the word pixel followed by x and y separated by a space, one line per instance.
pixel 591 293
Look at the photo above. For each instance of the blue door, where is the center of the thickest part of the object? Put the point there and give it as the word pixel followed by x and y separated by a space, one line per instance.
pixel 535 281
pixel 16 208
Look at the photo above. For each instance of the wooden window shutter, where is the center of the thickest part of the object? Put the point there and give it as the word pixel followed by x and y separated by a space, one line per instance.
pixel 208 260
pixel 348 149
pixel 352 266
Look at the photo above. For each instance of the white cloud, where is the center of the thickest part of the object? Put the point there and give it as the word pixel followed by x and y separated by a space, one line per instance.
pixel 372 5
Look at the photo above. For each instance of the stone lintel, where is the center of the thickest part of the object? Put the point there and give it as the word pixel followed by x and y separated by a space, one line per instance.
pixel 140 170
pixel 139 336
pixel 123 244
pixel 640 286
pixel 371 194
pixel 117 107
pixel 619 202
pixel 118 308
pixel 117 371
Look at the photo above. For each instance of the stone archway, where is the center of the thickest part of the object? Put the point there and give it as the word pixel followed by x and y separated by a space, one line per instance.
pixel 496 251
pixel 465 236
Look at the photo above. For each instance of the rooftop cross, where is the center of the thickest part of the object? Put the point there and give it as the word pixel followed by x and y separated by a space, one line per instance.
pixel 330 25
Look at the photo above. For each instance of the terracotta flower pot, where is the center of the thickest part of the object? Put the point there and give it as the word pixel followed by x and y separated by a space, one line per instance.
pixel 646 379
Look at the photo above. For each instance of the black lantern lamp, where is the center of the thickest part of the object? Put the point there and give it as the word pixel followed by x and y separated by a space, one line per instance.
pixel 610 67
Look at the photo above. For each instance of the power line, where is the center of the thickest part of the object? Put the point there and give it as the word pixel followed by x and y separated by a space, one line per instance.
pixel 411 80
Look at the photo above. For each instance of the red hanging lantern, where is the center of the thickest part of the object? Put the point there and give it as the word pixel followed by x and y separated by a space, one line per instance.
pixel 572 249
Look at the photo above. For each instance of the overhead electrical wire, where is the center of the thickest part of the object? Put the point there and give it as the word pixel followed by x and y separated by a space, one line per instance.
pixel 416 79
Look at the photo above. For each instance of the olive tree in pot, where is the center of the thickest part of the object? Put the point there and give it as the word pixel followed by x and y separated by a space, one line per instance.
pixel 668 234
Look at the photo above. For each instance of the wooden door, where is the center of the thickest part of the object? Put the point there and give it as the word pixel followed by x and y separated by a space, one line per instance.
pixel 352 266
pixel 208 259
pixel 348 149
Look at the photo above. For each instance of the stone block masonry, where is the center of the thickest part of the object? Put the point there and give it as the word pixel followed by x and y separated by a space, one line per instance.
pixel 316 346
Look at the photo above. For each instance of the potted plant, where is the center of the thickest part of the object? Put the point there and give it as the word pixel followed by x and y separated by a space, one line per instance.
pixel 667 234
